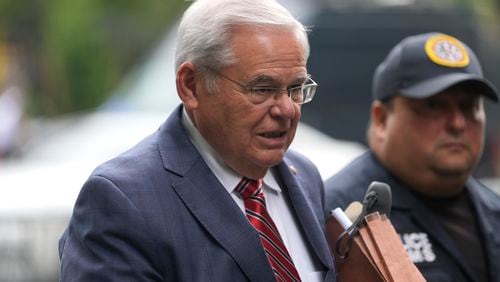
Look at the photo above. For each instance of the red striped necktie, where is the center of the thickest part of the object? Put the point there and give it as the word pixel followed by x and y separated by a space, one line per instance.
pixel 276 252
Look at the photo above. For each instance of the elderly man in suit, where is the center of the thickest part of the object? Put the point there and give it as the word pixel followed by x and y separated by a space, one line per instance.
pixel 213 195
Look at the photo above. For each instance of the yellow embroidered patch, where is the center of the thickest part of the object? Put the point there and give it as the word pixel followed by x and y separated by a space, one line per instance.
pixel 447 51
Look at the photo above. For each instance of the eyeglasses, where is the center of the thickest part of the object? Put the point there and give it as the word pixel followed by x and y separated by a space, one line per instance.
pixel 259 94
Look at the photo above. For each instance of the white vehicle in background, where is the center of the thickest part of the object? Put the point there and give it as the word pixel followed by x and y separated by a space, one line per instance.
pixel 39 190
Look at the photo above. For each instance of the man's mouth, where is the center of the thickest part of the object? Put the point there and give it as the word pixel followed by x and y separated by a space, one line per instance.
pixel 455 145
pixel 273 134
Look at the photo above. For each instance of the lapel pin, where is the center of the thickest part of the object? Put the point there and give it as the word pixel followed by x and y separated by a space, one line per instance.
pixel 293 169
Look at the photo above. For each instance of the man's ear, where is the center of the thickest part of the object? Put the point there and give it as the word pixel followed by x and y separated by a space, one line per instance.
pixel 187 86
pixel 379 115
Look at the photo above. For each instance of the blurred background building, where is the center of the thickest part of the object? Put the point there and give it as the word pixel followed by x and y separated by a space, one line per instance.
pixel 81 81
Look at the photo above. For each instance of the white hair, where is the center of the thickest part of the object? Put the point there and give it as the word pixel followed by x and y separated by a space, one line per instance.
pixel 205 29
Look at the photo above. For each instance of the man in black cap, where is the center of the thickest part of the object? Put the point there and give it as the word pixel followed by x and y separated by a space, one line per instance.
pixel 426 136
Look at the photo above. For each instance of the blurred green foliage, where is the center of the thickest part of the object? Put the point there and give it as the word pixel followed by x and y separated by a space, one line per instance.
pixel 74 52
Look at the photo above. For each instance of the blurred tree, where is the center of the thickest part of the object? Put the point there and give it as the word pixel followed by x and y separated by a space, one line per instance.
pixel 76 51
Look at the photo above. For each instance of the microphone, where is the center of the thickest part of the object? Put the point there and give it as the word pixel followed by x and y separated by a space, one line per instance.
pixel 378 198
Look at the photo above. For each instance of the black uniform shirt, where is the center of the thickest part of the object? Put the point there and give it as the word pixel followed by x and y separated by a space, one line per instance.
pixel 459 220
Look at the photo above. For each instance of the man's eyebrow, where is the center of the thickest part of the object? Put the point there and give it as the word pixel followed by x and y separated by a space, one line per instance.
pixel 263 79
pixel 271 79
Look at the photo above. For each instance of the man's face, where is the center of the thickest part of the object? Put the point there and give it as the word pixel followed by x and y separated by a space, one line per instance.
pixel 253 137
pixel 430 142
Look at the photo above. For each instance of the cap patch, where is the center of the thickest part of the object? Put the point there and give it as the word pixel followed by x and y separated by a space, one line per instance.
pixel 446 51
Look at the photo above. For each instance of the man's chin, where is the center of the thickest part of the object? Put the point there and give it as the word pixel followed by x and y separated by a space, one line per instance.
pixel 453 170
pixel 270 158
pixel 454 165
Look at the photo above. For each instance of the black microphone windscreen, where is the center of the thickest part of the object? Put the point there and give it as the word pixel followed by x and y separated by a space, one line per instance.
pixel 383 198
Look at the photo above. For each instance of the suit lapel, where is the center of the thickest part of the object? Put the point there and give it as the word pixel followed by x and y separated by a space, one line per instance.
pixel 214 208
pixel 210 203
pixel 305 215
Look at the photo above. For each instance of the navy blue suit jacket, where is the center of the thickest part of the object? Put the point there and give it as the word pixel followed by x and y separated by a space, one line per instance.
pixel 158 213
pixel 410 216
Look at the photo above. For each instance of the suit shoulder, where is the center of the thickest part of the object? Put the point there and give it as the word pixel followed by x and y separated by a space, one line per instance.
pixel 305 171
pixel 300 162
pixel 294 156
pixel 137 163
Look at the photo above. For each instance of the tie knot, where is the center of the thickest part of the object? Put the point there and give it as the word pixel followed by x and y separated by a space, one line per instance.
pixel 248 187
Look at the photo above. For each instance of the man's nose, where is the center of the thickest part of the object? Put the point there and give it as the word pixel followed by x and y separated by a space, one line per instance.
pixel 283 106
pixel 457 119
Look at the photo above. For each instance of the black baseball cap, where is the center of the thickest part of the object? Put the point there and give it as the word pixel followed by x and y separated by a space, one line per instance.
pixel 423 65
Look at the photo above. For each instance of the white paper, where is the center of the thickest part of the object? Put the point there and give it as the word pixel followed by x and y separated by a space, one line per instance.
pixel 342 218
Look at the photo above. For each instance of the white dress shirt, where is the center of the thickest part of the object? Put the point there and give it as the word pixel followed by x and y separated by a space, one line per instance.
pixel 276 202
